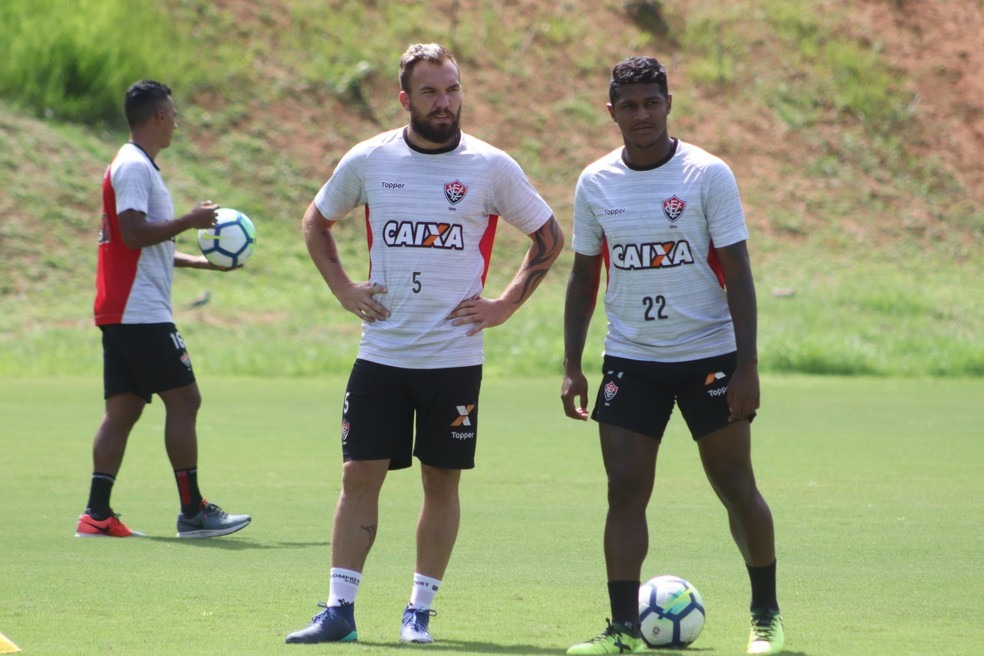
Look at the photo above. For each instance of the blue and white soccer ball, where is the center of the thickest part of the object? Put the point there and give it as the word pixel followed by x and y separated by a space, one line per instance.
pixel 671 612
pixel 231 241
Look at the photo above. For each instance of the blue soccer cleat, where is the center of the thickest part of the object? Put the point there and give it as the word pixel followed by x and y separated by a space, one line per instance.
pixel 333 624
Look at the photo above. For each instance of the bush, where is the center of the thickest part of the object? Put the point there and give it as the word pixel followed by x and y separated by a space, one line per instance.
pixel 72 60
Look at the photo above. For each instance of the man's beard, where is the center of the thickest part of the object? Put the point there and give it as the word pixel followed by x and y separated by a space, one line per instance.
pixel 435 134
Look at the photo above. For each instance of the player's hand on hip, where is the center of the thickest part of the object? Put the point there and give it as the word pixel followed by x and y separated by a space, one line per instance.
pixel 359 299
pixel 483 312
pixel 574 396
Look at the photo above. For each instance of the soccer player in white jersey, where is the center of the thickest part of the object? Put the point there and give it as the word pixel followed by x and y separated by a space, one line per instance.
pixel 432 198
pixel 665 219
pixel 143 353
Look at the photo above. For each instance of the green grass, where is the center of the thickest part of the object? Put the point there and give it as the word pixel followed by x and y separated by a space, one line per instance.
pixel 277 318
pixel 70 60
pixel 874 484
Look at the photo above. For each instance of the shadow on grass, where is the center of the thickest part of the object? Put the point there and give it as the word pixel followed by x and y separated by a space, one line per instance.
pixel 496 648
pixel 235 544
pixel 466 647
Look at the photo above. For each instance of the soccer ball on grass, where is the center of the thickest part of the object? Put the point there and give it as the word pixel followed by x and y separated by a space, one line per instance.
pixel 231 241
pixel 671 612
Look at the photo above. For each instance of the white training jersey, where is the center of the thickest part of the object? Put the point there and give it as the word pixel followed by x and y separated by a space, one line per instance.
pixel 133 285
pixel 431 220
pixel 658 228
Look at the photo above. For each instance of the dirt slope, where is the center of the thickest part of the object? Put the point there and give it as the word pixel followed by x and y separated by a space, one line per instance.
pixel 933 45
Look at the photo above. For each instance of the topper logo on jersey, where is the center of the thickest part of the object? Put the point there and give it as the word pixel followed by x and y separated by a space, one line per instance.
pixel 673 207
pixel 455 191
pixel 421 234
pixel 659 255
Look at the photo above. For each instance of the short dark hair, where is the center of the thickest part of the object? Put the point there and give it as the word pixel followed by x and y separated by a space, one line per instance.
pixel 637 70
pixel 429 52
pixel 143 99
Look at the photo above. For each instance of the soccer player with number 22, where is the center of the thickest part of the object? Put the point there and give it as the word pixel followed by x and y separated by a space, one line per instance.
pixel 666 218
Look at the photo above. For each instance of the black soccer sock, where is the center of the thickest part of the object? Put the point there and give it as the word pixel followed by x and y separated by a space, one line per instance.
pixel 624 599
pixel 763 581
pixel 191 498
pixel 100 489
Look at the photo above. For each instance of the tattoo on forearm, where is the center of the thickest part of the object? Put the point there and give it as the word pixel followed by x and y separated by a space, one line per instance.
pixel 542 255
pixel 532 281
pixel 541 251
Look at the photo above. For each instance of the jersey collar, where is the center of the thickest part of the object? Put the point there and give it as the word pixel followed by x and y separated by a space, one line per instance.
pixel 151 159
pixel 669 156
pixel 436 151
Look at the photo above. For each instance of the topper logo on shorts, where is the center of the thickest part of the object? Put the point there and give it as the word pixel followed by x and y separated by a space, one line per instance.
pixel 611 389
pixel 713 378
pixel 659 255
pixel 455 191
pixel 673 208
pixel 463 415
pixel 422 234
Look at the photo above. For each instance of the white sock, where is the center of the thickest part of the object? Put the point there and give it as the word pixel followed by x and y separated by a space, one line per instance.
pixel 424 589
pixel 343 586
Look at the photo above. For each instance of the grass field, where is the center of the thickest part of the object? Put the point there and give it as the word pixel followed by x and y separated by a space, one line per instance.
pixel 875 485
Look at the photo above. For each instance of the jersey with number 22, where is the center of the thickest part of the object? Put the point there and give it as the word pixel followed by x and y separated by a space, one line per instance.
pixel 658 229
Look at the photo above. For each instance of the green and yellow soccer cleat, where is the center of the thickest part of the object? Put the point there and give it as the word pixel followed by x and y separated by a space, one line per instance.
pixel 614 640
pixel 766 635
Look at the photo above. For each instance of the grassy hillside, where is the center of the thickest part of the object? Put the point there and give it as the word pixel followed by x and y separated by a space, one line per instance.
pixel 865 214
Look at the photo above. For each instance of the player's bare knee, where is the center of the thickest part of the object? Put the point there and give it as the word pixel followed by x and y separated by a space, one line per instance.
pixel 626 493
pixel 736 488
pixel 184 400
pixel 440 483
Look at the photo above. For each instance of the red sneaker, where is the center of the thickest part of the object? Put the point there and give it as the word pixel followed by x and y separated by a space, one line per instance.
pixel 111 527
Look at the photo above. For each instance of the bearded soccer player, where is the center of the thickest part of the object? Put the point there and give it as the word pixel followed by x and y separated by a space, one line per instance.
pixel 432 197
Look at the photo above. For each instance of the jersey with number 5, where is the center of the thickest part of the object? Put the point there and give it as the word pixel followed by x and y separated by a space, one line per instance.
pixel 657 229
pixel 430 220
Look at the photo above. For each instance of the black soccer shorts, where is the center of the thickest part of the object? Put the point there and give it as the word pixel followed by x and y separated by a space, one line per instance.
pixel 144 359
pixel 385 406
pixel 639 396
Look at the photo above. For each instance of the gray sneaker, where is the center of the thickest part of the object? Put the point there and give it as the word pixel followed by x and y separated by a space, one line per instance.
pixel 210 522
